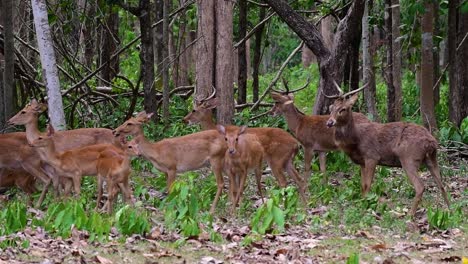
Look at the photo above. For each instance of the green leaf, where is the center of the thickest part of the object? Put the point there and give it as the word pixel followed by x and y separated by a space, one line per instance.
pixel 278 215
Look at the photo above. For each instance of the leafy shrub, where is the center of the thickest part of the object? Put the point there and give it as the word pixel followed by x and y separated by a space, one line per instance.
pixel 444 219
pixel 13 217
pixel 130 220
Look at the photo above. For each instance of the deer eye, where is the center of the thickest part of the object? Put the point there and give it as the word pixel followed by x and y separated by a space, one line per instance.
pixel 193 111
pixel 225 138
pixel 342 111
pixel 237 139
pixel 23 112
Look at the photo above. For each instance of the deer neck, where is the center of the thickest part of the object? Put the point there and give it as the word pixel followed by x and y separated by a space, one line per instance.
pixel 144 144
pixel 207 122
pixel 32 130
pixel 293 117
pixel 346 132
pixel 50 155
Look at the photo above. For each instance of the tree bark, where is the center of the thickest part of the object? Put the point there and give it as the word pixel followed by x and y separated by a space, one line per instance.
pixel 9 66
pixel 388 70
pixel 224 58
pixel 437 33
pixel 462 63
pixel 396 61
pixel 49 65
pixel 427 68
pixel 330 62
pixel 205 49
pixel 257 56
pixel 368 65
pixel 165 70
pixel 109 46
pixel 455 115
pixel 242 55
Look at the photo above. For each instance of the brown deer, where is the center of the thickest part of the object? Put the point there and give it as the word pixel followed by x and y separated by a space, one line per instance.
pixel 114 168
pixel 64 140
pixel 279 146
pixel 20 178
pixel 18 157
pixel 310 130
pixel 179 154
pixel 396 144
pixel 71 164
pixel 244 153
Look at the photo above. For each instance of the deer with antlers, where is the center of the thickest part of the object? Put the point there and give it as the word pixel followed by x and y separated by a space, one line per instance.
pixel 279 146
pixel 396 144
pixel 179 154
pixel 310 130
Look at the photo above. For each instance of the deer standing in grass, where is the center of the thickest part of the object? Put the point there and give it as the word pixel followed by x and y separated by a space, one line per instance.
pixel 244 152
pixel 396 144
pixel 64 140
pixel 179 154
pixel 279 146
pixel 71 164
pixel 310 130
pixel 114 168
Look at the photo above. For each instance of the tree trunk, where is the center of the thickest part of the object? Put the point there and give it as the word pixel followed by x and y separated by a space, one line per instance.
pixel 9 66
pixel 242 55
pixel 368 65
pixel 388 72
pixel 326 28
pixel 455 100
pixel 437 33
pixel 257 56
pixel 307 57
pixel 109 47
pixel 165 70
pixel 462 63
pixel 224 58
pixel 330 62
pixel 427 68
pixel 49 65
pixel 396 61
pixel 205 49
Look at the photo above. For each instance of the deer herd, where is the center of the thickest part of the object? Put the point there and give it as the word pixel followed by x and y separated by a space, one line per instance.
pixel 62 158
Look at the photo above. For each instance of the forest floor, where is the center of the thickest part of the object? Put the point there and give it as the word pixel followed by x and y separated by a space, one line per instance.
pixel 327 235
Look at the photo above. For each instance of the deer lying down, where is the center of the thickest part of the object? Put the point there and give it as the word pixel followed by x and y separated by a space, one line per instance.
pixel 397 144
pixel 279 146
pixel 244 153
pixel 71 164
pixel 114 168
pixel 179 154
pixel 310 130
pixel 18 178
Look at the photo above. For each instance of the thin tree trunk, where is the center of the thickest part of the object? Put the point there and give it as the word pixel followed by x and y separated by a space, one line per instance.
pixel 159 42
pixel 224 57
pixel 165 70
pixel 257 56
pixel 427 68
pixel 388 72
pixel 9 57
pixel 462 63
pixel 455 99
pixel 205 49
pixel 396 61
pixel 242 55
pixel 109 46
pixel 368 65
pixel 437 33
pixel 49 65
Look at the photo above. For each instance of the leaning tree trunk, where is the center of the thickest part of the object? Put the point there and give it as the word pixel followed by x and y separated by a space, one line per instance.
pixel 205 49
pixel 368 65
pixel 427 68
pixel 224 58
pixel 257 56
pixel 49 65
pixel 9 66
pixel 396 62
pixel 330 62
pixel 242 55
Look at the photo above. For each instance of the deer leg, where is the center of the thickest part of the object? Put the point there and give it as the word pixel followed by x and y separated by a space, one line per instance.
pixel 42 176
pixel 308 154
pixel 277 171
pixel 111 193
pixel 99 189
pixel 323 161
pixel 258 178
pixel 171 174
pixel 242 178
pixel 411 170
pixel 433 166
pixel 232 186
pixel 301 184
pixel 77 183
pixel 217 167
pixel 367 175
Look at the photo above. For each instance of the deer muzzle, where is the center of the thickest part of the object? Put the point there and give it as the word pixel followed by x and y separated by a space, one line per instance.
pixel 331 122
pixel 232 151
pixel 115 133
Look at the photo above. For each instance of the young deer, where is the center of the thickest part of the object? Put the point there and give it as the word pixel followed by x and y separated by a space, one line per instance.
pixel 19 178
pixel 114 168
pixel 64 140
pixel 244 153
pixel 310 130
pixel 396 144
pixel 179 154
pixel 71 164
pixel 279 146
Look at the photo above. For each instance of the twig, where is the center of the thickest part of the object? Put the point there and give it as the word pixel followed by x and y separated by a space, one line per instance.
pixel 251 32
pixel 278 75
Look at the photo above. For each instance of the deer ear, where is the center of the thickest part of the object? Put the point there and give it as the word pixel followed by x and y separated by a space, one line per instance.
pixel 352 100
pixel 221 129
pixel 50 130
pixel 211 104
pixel 275 96
pixel 242 130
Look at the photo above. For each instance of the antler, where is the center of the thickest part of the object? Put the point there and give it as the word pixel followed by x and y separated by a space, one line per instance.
pixel 285 83
pixel 340 92
pixel 355 91
pixel 199 101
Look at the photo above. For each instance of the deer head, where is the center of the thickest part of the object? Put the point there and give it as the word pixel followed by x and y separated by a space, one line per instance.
pixel 133 125
pixel 202 109
pixel 283 98
pixel 132 149
pixel 340 110
pixel 28 114
pixel 44 140
pixel 231 136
